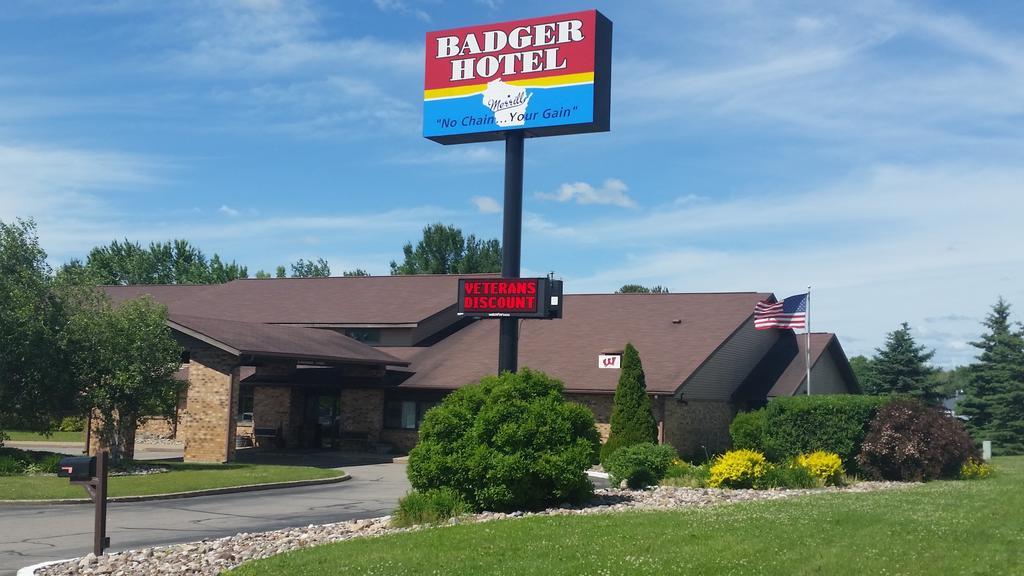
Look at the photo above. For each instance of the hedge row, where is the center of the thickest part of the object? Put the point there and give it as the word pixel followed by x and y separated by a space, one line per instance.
pixel 787 427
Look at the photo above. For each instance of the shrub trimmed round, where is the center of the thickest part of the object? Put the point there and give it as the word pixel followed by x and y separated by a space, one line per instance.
pixel 738 469
pixel 640 465
pixel 915 442
pixel 509 442
pixel 825 466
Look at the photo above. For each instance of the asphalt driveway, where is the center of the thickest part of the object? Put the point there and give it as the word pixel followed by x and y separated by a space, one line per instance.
pixel 36 533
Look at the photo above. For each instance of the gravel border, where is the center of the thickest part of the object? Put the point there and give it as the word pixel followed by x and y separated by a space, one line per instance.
pixel 211 557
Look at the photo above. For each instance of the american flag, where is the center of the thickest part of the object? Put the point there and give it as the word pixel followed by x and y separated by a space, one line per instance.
pixel 790 313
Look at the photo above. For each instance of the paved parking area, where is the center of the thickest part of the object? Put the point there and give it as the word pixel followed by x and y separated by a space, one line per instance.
pixel 35 533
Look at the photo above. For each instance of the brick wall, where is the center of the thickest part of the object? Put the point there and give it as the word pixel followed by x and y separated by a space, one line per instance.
pixel 697 426
pixel 600 405
pixel 362 410
pixel 155 427
pixel 94 446
pixel 402 440
pixel 271 408
pixel 208 425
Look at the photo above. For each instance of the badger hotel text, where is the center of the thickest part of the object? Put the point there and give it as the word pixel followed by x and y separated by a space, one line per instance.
pixel 480 54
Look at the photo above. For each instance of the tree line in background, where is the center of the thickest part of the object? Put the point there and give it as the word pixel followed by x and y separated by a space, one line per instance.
pixel 992 387
pixel 442 250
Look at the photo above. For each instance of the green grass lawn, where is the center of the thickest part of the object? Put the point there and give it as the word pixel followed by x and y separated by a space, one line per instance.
pixel 182 478
pixel 21 436
pixel 972 527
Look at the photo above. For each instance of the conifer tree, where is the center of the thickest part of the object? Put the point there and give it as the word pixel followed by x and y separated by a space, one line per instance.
pixel 632 421
pixel 995 394
pixel 901 367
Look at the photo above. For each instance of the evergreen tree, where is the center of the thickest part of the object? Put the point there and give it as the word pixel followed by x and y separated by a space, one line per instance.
pixel 995 393
pixel 901 367
pixel 632 421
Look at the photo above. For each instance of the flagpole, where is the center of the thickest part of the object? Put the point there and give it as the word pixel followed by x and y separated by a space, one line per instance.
pixel 807 355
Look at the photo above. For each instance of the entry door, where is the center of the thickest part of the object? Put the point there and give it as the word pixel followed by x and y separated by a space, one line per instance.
pixel 328 417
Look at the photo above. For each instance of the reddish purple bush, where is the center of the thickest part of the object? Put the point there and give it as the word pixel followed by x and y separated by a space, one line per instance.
pixel 912 441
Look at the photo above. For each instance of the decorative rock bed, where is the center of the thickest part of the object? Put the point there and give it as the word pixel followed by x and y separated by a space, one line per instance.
pixel 211 557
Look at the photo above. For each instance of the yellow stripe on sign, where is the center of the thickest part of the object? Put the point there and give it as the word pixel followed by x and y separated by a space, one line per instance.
pixel 457 91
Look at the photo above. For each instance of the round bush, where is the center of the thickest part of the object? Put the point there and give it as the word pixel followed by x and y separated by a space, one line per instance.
pixel 509 442
pixel 912 441
pixel 640 465
pixel 825 466
pixel 737 469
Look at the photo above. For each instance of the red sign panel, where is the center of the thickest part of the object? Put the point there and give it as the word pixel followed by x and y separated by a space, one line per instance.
pixel 501 296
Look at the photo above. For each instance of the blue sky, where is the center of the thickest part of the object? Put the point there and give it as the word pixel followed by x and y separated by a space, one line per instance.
pixel 870 149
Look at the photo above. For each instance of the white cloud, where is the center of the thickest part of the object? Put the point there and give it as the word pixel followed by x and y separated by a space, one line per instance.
pixel 891 245
pixel 38 181
pixel 463 155
pixel 613 191
pixel 401 7
pixel 228 211
pixel 486 204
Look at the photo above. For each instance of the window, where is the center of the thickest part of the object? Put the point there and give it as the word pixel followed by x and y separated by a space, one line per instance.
pixel 406 414
pixel 364 335
pixel 245 404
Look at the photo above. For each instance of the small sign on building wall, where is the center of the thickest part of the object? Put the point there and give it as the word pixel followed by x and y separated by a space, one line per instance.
pixel 611 361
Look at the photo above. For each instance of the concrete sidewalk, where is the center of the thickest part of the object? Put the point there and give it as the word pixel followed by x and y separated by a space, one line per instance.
pixel 143 451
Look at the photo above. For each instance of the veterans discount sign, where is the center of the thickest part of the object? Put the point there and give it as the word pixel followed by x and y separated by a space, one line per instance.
pixel 547 76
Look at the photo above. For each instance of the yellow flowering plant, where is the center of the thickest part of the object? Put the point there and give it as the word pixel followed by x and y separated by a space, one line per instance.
pixel 826 466
pixel 737 469
pixel 975 469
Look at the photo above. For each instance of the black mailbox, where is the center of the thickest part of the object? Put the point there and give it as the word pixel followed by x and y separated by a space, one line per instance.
pixel 77 468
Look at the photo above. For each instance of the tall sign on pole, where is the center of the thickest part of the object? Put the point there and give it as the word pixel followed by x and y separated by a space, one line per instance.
pixel 510 81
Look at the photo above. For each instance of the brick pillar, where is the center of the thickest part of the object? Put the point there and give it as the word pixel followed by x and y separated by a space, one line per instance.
pixel 208 424
pixel 271 408
pixel 362 410
pixel 94 423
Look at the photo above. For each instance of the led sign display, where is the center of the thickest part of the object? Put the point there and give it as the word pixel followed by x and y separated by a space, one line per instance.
pixel 510 297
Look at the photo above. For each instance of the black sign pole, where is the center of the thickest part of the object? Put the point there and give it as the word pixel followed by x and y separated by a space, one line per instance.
pixel 511 244
pixel 100 540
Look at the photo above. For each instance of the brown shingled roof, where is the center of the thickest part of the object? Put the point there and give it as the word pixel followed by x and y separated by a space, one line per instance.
pixel 247 338
pixel 378 300
pixel 593 324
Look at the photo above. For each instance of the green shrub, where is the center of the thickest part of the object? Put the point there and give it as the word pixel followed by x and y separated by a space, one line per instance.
pixel 632 421
pixel 46 463
pixel 11 466
pixel 804 424
pixel 429 507
pixel 788 474
pixel 640 465
pixel 738 469
pixel 71 424
pixel 15 462
pixel 748 429
pixel 913 441
pixel 509 442
pixel 686 475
